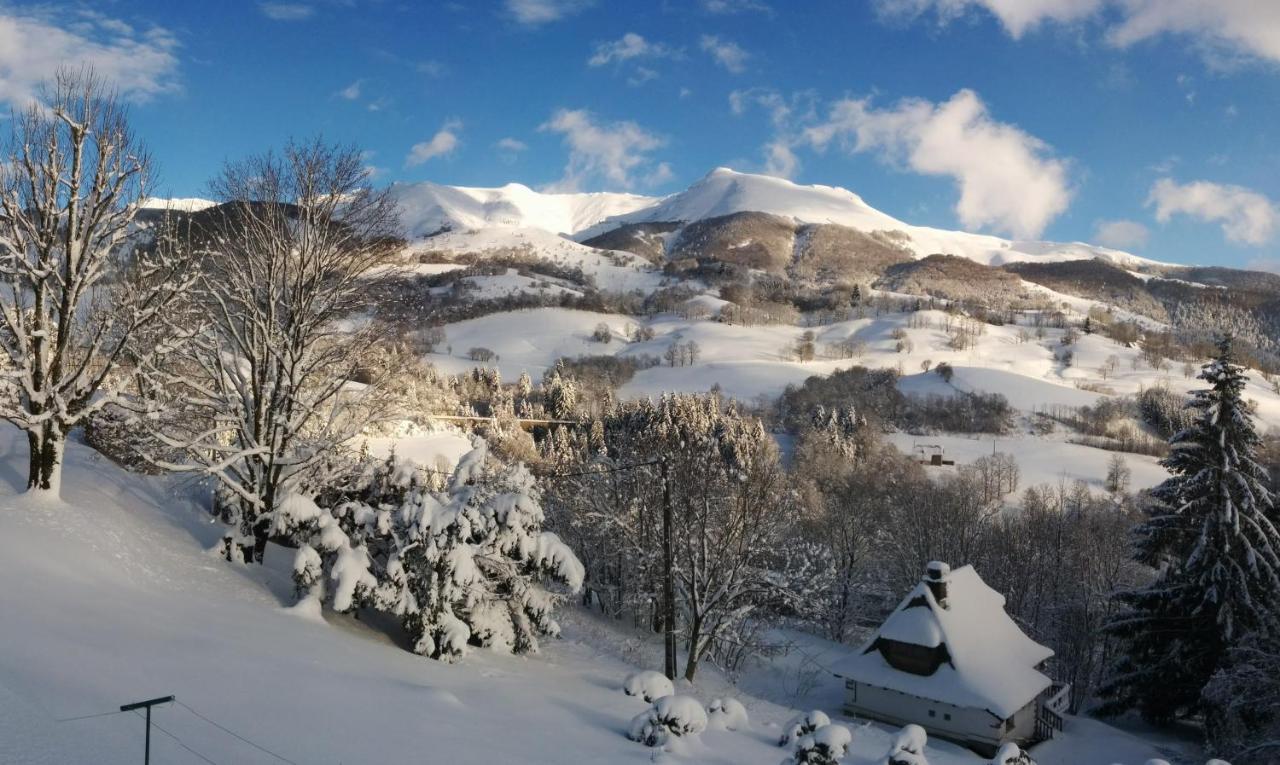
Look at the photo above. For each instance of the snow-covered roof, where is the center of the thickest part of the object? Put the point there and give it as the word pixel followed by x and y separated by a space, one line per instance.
pixel 992 663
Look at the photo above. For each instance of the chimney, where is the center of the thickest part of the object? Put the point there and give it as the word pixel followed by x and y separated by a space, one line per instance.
pixel 937 574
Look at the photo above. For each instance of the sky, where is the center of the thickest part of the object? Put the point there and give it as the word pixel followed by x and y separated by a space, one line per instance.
pixel 1146 125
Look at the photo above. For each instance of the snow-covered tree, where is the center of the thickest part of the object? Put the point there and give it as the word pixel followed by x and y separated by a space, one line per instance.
pixel 1212 537
pixel 718 472
pixel 464 566
pixel 266 383
pixel 81 300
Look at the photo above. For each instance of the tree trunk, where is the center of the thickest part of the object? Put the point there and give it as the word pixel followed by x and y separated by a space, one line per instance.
pixel 44 466
pixel 668 578
pixel 695 649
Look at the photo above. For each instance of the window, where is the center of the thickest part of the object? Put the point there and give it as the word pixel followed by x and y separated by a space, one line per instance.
pixel 946 717
pixel 932 713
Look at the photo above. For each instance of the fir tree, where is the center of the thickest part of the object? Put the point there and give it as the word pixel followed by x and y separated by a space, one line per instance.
pixel 1210 534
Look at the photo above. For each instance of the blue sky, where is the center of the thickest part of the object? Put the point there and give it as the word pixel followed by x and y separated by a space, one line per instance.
pixel 1146 124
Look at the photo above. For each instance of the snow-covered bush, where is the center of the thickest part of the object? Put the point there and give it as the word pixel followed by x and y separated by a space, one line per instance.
pixel 669 716
pixel 825 746
pixel 1011 754
pixel 463 566
pixel 802 725
pixel 648 685
pixel 727 714
pixel 907 747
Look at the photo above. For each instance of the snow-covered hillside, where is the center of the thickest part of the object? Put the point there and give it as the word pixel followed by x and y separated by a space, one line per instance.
pixel 111 597
pixel 428 207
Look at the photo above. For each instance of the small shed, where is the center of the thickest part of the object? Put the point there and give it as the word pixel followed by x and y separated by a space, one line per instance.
pixel 950 659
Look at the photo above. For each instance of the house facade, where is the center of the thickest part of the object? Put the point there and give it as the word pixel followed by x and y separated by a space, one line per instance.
pixel 950 659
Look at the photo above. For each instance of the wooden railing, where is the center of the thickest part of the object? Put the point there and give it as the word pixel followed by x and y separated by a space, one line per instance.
pixel 1050 711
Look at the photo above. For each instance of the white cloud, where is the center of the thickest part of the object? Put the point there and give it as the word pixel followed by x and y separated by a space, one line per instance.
pixel 286 11
pixel 431 68
pixel 442 144
pixel 1121 234
pixel 780 159
pixel 1017 16
pixel 34 44
pixel 1008 179
pixel 536 12
pixel 614 152
pixel 1246 216
pixel 784 114
pixel 1226 30
pixel 1232 28
pixel 511 144
pixel 1264 264
pixel 726 53
pixel 627 47
pixel 734 6
pixel 352 91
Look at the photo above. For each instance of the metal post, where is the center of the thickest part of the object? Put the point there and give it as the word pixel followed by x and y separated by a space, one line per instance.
pixel 146 756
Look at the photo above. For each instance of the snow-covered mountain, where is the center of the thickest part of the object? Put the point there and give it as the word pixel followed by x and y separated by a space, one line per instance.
pixel 427 207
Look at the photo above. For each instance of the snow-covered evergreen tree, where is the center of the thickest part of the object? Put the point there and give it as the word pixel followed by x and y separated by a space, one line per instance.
pixel 461 567
pixel 1211 535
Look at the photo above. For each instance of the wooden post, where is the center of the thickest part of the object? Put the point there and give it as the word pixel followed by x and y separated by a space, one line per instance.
pixel 146 752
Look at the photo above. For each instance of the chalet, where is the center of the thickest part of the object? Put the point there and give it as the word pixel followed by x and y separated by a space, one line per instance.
pixel 951 660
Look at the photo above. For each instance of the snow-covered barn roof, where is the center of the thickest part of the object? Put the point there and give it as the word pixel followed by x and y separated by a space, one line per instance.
pixel 992 664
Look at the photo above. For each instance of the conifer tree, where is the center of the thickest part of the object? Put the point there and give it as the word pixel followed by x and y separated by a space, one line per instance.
pixel 1211 535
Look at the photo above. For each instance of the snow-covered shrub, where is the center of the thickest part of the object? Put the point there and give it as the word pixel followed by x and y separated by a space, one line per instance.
pixel 463 566
pixel 670 716
pixel 1011 754
pixel 907 747
pixel 802 725
pixel 825 746
pixel 648 685
pixel 727 714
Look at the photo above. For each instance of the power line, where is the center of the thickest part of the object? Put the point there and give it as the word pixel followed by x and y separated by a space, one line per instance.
pixel 617 469
pixel 88 717
pixel 232 733
pixel 176 740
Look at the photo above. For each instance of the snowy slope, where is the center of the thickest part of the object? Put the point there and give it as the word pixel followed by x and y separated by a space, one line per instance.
pixel 428 207
pixel 110 597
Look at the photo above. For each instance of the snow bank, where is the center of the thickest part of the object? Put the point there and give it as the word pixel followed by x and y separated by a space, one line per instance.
pixel 670 716
pixel 727 714
pixel 648 685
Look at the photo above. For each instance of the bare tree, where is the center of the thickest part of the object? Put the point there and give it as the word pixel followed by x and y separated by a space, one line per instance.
pixel 79 294
pixel 266 384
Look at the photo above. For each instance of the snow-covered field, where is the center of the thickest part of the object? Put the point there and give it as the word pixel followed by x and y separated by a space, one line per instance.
pixel 110 596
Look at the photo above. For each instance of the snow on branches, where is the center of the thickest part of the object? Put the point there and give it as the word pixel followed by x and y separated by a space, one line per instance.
pixel 83 297
pixel 463 566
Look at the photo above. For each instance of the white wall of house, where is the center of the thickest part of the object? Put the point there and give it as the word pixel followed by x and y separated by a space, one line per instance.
pixel 966 725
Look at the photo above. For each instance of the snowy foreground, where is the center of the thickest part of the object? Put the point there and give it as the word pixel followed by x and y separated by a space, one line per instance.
pixel 109 597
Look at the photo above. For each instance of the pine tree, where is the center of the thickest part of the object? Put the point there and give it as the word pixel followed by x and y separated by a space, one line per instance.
pixel 1211 535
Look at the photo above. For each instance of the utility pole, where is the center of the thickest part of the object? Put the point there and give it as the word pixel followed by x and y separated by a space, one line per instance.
pixel 668 578
pixel 146 757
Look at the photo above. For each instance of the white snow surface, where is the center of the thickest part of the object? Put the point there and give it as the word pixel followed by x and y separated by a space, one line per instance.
pixel 427 207
pixel 110 596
